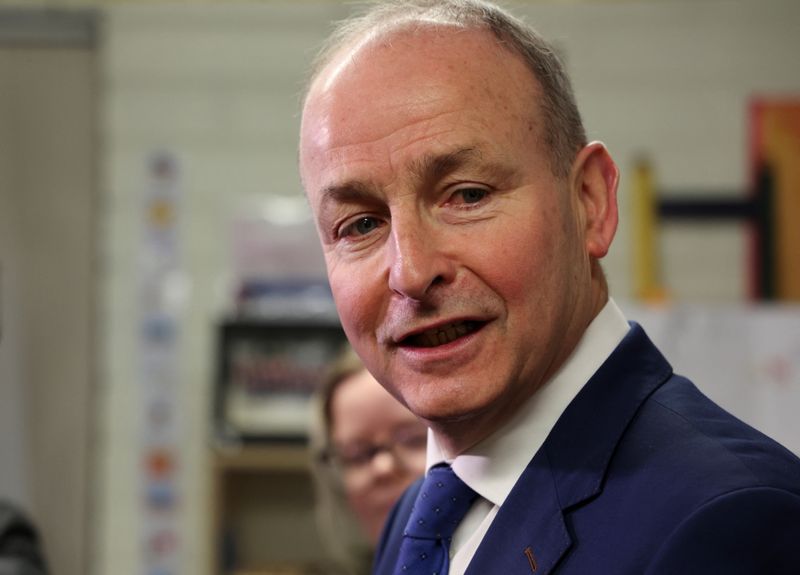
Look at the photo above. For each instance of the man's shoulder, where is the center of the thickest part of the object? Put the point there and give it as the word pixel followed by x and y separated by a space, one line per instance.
pixel 700 434
pixel 716 483
pixel 683 442
pixel 748 530
pixel 698 486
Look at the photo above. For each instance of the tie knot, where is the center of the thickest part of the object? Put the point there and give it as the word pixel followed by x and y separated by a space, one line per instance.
pixel 442 502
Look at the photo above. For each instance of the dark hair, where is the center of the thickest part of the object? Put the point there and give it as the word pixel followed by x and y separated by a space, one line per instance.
pixel 563 131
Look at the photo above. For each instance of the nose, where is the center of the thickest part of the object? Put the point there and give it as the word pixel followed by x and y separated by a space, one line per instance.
pixel 384 463
pixel 418 260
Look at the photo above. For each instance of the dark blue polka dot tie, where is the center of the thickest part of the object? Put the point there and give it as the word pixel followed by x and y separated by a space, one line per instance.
pixel 441 503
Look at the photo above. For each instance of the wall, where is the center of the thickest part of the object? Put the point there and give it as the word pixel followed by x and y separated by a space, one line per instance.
pixel 672 81
pixel 219 85
pixel 14 475
pixel 47 239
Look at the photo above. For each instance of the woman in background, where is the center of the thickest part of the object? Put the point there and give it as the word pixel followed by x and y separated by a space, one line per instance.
pixel 367 449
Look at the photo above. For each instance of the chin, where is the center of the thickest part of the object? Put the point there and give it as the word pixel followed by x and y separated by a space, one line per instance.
pixel 454 404
pixel 450 414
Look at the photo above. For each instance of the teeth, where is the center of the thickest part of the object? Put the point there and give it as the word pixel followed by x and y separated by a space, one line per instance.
pixel 444 334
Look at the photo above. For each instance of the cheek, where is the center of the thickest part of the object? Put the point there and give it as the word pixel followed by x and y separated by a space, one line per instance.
pixel 357 300
pixel 357 496
pixel 520 265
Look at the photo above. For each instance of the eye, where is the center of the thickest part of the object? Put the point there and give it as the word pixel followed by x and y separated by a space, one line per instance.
pixel 471 195
pixel 361 226
pixel 365 225
pixel 355 456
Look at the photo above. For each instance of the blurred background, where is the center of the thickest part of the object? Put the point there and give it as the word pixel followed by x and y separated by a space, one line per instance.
pixel 164 307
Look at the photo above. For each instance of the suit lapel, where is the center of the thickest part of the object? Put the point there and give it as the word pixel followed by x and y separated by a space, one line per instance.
pixel 529 533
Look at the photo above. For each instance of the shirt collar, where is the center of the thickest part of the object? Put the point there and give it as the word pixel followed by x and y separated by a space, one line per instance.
pixel 492 467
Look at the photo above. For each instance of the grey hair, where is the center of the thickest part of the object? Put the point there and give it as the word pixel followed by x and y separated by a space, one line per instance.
pixel 564 133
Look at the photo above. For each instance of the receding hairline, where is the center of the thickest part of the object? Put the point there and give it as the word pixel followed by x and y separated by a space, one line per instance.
pixel 406 29
pixel 358 32
pixel 564 134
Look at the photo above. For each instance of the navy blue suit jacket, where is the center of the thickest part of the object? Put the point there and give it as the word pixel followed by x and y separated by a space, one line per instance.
pixel 642 474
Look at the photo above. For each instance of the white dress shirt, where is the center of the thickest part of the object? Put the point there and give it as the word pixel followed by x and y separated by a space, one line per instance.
pixel 493 467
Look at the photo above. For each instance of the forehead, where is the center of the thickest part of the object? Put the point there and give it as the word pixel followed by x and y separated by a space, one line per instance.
pixel 392 89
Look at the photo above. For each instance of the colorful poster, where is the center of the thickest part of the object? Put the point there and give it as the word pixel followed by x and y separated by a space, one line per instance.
pixel 161 301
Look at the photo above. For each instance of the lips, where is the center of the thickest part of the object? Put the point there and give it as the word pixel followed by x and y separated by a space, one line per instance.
pixel 442 334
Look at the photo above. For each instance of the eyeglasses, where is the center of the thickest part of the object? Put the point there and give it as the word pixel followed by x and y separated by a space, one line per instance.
pixel 405 445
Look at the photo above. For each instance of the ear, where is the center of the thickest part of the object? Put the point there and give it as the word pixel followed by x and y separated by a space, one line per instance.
pixel 595 177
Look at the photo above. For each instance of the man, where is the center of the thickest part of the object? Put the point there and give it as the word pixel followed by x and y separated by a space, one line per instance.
pixel 463 215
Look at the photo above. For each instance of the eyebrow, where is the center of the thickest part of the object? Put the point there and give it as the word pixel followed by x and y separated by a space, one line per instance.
pixel 428 168
pixel 349 192
pixel 434 167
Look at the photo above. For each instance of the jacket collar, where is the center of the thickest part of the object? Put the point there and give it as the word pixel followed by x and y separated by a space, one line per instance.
pixel 529 534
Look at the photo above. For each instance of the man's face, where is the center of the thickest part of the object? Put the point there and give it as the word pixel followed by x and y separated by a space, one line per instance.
pixel 455 256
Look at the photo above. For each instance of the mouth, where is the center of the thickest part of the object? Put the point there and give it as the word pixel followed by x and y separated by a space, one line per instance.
pixel 442 334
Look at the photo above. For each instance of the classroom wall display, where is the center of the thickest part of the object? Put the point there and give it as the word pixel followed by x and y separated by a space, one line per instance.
pixel 161 295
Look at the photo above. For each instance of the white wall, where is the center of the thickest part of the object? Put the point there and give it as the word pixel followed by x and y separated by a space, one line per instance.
pixel 219 84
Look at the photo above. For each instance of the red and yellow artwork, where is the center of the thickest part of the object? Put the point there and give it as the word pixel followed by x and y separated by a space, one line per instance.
pixel 775 153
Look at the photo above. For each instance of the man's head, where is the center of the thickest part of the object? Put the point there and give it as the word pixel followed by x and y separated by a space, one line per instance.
pixel 461 220
pixel 563 128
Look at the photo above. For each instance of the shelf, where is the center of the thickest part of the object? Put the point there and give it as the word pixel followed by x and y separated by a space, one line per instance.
pixel 263 503
pixel 273 457
pixel 263 509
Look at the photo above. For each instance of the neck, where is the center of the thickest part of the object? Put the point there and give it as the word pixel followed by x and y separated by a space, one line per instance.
pixel 456 436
